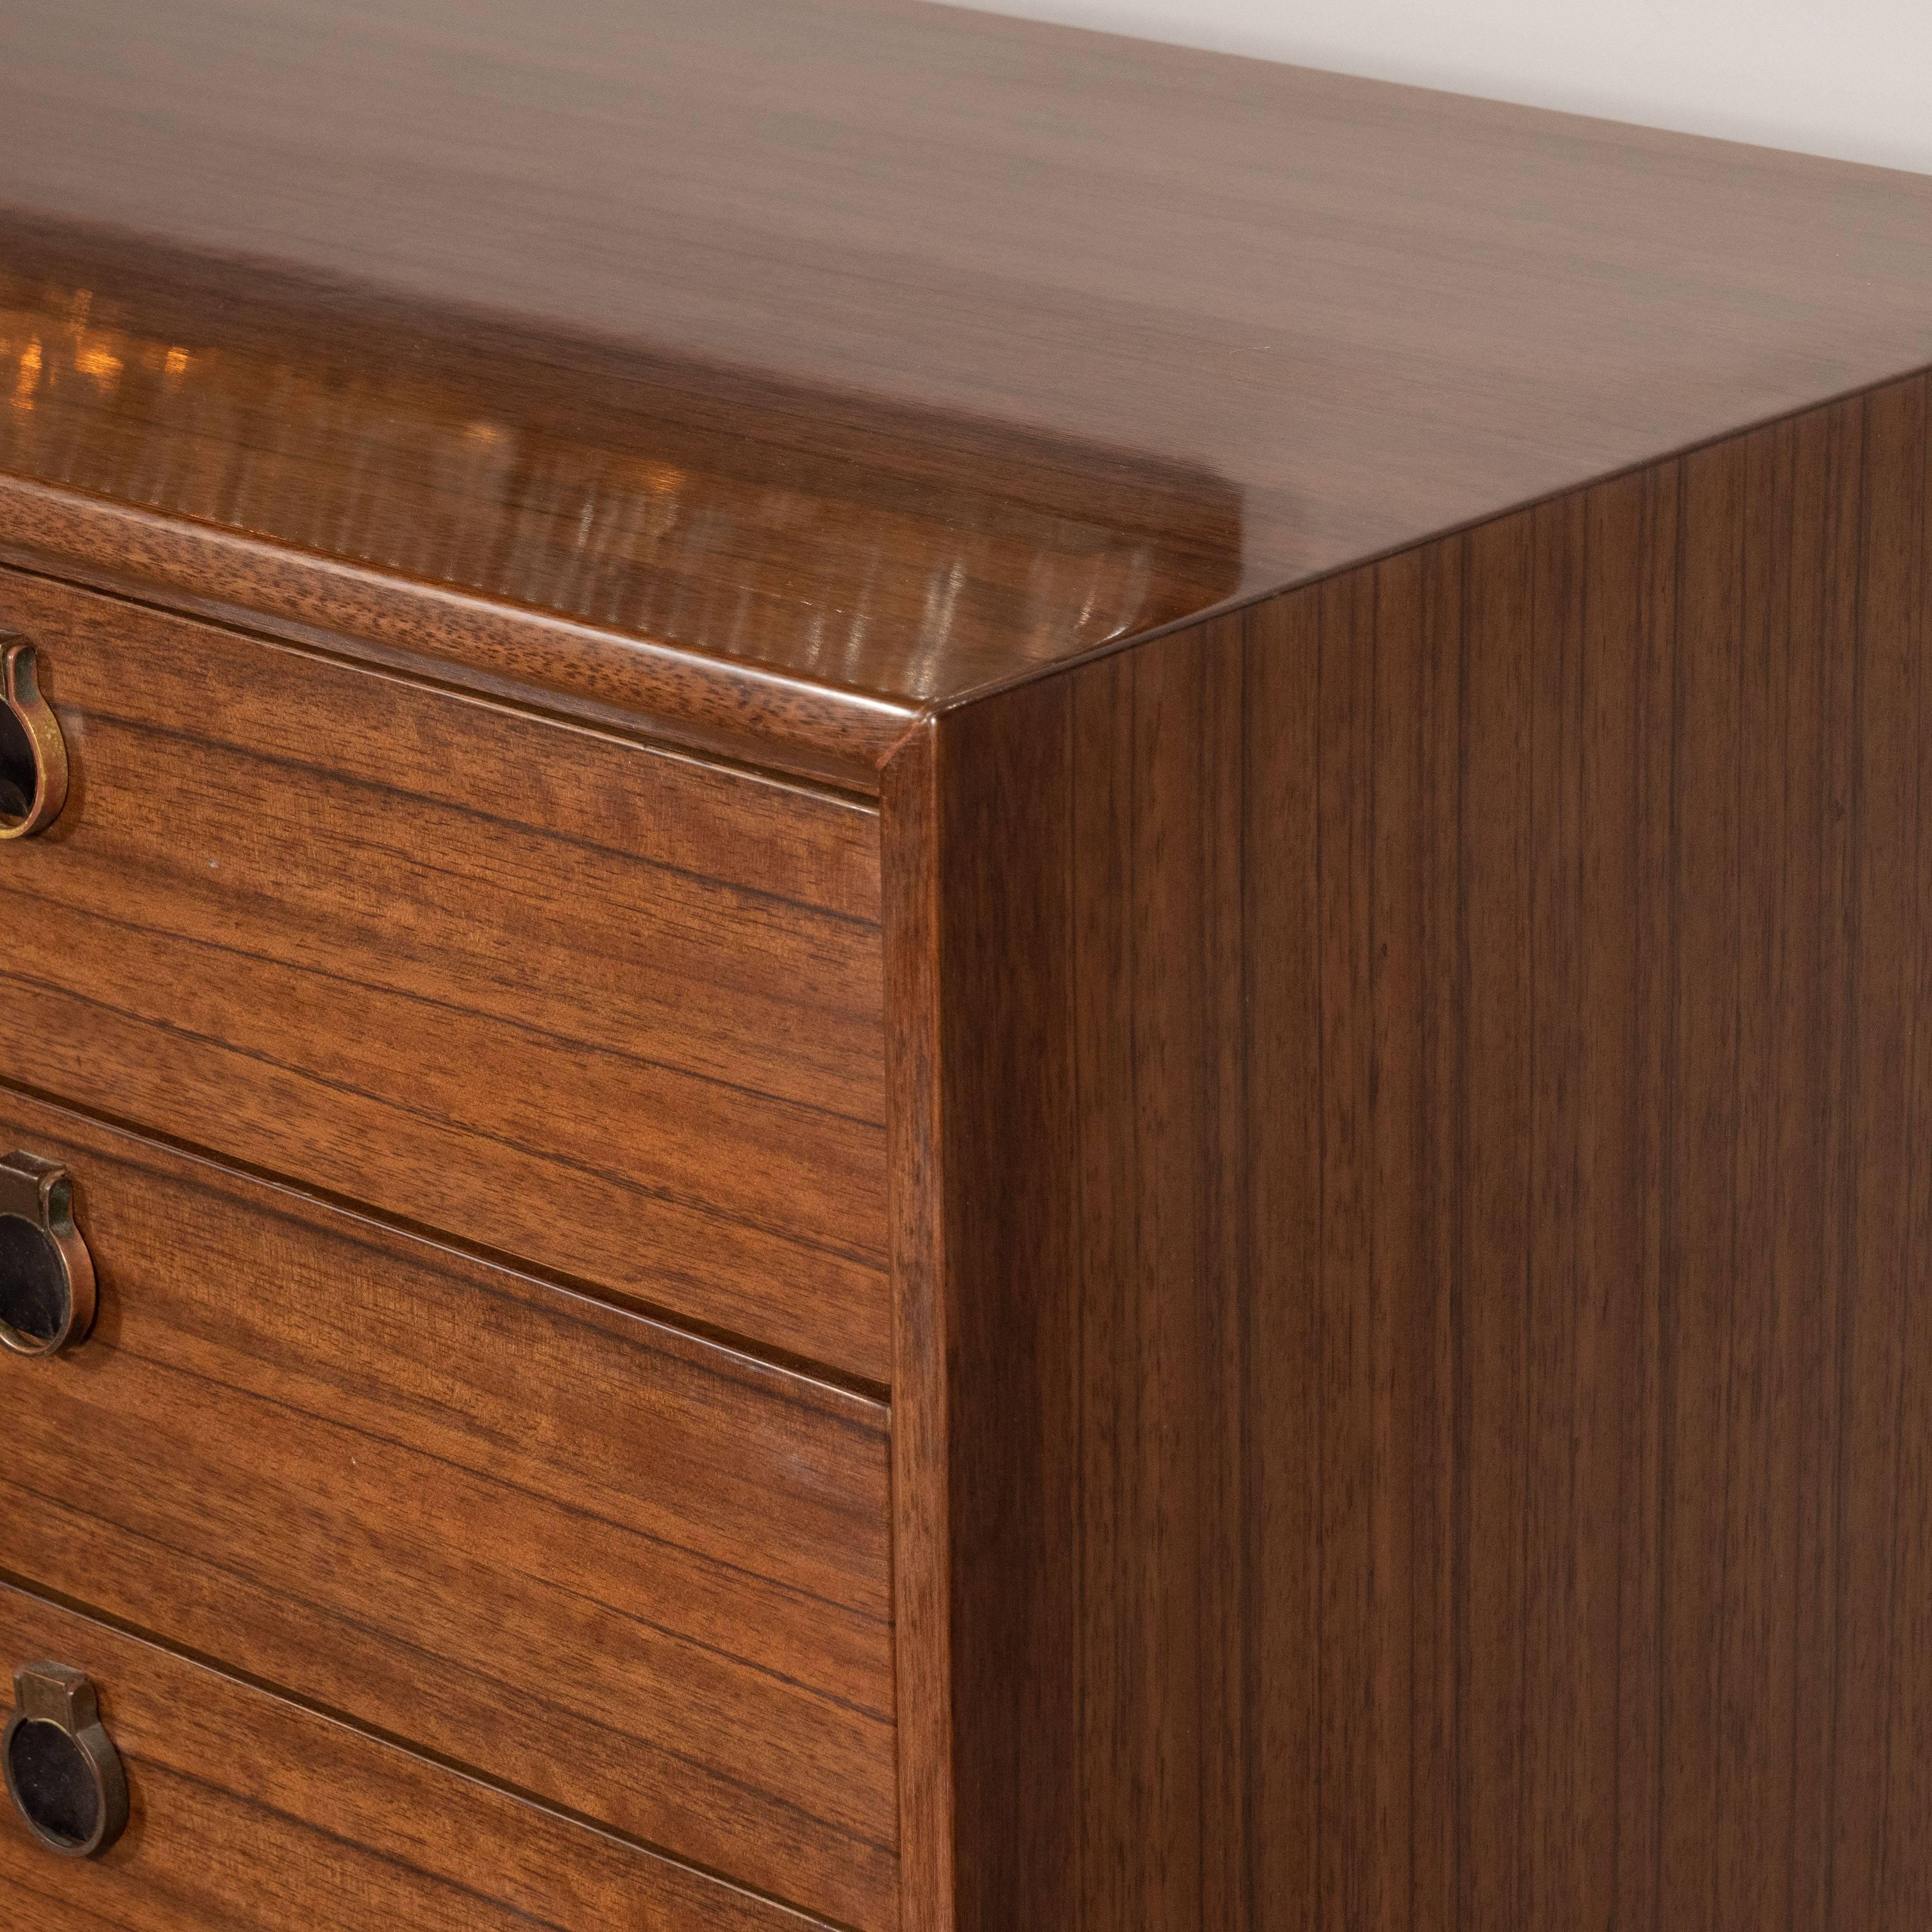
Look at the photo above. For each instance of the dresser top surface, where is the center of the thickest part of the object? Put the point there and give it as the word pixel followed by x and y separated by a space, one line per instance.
pixel 891 348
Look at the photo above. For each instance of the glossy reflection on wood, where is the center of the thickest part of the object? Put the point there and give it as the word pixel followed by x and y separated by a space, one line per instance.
pixel 884 351
pixel 250 1814
pixel 1415 1336
pixel 1145 754
pixel 812 533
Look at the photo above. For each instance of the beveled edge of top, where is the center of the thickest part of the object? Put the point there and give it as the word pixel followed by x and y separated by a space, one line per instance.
pixel 774 711
pixel 744 714
pixel 737 712
pixel 850 463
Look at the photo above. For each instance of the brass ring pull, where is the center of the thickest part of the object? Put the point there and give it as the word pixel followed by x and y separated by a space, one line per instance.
pixel 33 754
pixel 63 1772
pixel 47 1275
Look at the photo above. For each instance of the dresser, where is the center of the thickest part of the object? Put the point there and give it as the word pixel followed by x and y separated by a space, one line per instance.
pixel 952 977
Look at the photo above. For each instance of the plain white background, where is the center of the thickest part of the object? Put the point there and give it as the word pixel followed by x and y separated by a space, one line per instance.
pixel 1851 78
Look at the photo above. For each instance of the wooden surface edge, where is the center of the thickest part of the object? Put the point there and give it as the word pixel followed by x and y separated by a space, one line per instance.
pixel 1537 919
pixel 922 1583
pixel 1253 597
pixel 977 955
pixel 715 706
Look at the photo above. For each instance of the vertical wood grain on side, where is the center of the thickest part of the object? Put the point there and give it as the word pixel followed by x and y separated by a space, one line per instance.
pixel 1888 1076
pixel 1756 1688
pixel 1907 1898
pixel 1018 1484
pixel 1826 606
pixel 1282 1664
pixel 1163 827
pixel 1429 1128
pixel 1700 1194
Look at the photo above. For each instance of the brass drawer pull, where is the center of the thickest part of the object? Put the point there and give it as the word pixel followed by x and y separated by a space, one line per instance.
pixel 63 1772
pixel 33 754
pixel 47 1275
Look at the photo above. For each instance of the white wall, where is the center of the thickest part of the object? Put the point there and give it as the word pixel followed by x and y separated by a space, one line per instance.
pixel 1852 78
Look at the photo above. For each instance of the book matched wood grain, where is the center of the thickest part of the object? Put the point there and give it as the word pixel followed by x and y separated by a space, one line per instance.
pixel 642 1577
pixel 249 1810
pixel 617 1013
pixel 1423 1082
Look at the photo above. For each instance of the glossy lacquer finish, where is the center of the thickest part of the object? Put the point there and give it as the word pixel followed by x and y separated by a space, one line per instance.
pixel 1336 1165
pixel 817 535
pixel 811 361
pixel 1415 1232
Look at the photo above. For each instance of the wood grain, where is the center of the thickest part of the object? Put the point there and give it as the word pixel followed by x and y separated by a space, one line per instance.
pixel 535 662
pixel 878 352
pixel 1425 1090
pixel 637 1575
pixel 396 474
pixel 923 1325
pixel 252 1815
pixel 1358 1094
pixel 613 1011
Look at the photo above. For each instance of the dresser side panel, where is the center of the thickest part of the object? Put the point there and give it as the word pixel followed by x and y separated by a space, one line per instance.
pixel 1427 1112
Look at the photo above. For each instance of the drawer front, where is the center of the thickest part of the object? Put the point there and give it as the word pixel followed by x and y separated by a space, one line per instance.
pixel 576 1000
pixel 628 1571
pixel 251 1815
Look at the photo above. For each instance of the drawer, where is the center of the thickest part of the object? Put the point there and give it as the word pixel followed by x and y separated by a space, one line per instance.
pixel 632 1573
pixel 573 999
pixel 248 1814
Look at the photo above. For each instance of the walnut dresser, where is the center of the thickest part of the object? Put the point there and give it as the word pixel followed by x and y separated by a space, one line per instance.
pixel 951 977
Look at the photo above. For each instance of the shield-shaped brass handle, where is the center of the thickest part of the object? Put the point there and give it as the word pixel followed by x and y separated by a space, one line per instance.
pixel 47 1275
pixel 63 1772
pixel 33 754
